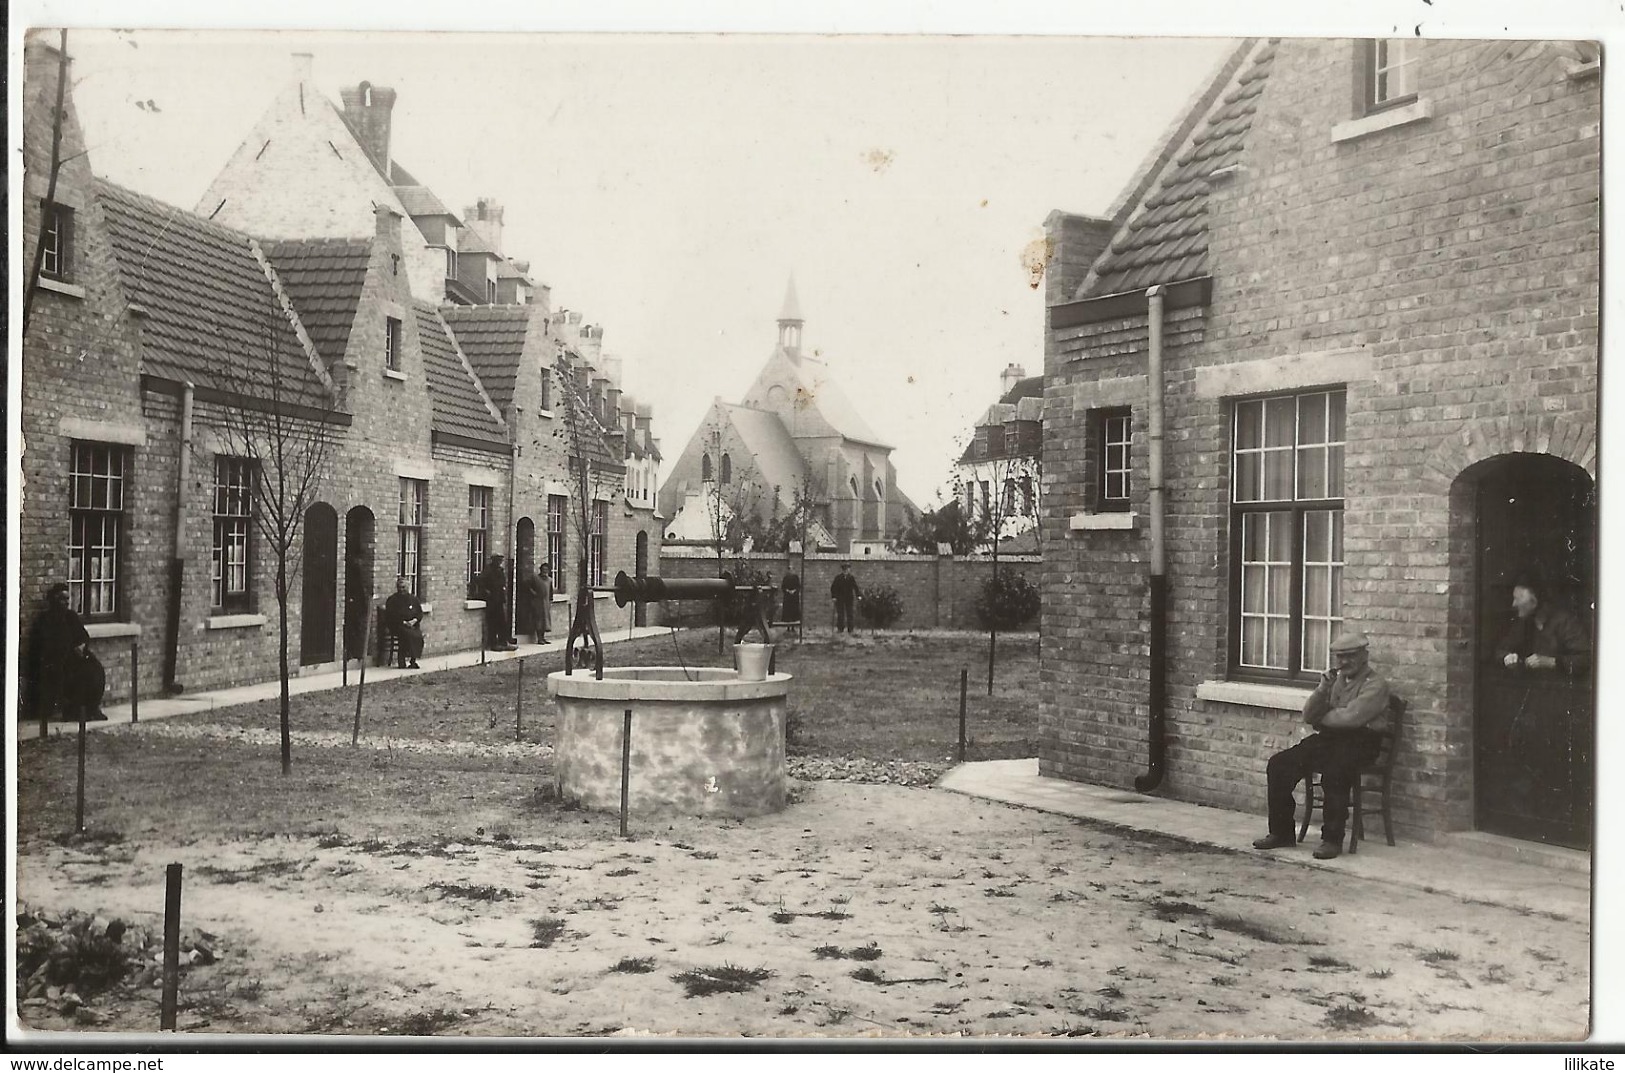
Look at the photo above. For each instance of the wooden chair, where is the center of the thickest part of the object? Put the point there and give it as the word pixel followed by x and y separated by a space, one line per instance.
pixel 389 646
pixel 1375 778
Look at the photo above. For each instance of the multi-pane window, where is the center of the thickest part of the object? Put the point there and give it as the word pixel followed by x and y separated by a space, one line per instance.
pixel 596 542
pixel 230 569
pixel 392 343
pixel 1390 73
pixel 451 263
pixel 547 388
pixel 409 541
pixel 1026 497
pixel 705 467
pixel 1287 515
pixel 96 478
pixel 1116 431
pixel 556 506
pixel 490 291
pixel 479 529
pixel 726 470
pixel 56 242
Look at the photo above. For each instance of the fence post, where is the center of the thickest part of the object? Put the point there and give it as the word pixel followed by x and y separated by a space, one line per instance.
pixel 135 681
pixel 361 688
pixel 964 687
pixel 172 947
pixel 519 704
pixel 79 796
pixel 626 767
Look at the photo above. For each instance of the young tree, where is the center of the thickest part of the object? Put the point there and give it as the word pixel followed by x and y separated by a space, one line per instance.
pixel 596 473
pixel 1009 481
pixel 275 433
pixel 949 524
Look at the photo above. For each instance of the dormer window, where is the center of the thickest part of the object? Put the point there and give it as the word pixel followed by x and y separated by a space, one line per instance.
pixel 1389 74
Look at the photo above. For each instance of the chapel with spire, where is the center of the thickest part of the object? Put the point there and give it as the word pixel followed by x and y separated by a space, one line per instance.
pixel 793 435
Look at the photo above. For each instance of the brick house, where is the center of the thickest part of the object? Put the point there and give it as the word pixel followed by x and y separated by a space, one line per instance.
pixel 153 326
pixel 1005 451
pixel 1367 274
pixel 794 407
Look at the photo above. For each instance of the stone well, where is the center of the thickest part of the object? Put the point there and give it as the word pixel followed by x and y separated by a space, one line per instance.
pixel 704 742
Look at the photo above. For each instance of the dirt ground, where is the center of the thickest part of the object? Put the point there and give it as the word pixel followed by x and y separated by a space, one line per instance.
pixel 860 910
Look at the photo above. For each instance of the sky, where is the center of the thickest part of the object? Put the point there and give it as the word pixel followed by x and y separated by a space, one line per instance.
pixel 667 186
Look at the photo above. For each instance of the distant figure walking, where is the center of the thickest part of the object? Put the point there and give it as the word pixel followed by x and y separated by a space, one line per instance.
pixel 844 591
pixel 66 681
pixel 538 590
pixel 494 591
pixel 790 587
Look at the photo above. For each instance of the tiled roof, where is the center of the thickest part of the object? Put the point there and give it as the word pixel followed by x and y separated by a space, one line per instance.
pixel 493 338
pixel 830 401
pixel 212 316
pixel 1167 239
pixel 323 278
pixel 772 449
pixel 421 201
pixel 458 407
pixel 594 445
pixel 471 241
pixel 1030 388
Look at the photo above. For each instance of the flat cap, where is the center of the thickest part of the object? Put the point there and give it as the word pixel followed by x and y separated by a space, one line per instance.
pixel 1350 641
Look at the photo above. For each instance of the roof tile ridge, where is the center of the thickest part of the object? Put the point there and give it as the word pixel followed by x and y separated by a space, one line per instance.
pixel 312 355
pixel 1176 143
pixel 468 368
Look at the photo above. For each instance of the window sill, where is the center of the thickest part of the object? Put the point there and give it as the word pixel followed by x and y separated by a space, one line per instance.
pixel 602 595
pixel 233 622
pixel 473 605
pixel 112 629
pixel 562 598
pixel 72 290
pixel 394 374
pixel 1253 695
pixel 544 413
pixel 427 607
pixel 1084 521
pixel 1404 115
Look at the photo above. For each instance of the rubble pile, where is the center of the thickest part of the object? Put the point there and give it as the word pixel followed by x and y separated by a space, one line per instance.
pixel 847 769
pixel 66 959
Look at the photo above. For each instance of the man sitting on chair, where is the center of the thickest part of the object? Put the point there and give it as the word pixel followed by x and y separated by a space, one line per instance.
pixel 1346 710
pixel 403 613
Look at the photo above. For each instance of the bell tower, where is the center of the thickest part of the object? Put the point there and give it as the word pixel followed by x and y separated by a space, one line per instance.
pixel 790 322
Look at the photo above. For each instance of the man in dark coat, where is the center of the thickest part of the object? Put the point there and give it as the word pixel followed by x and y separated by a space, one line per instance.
pixel 538 592
pixel 1346 709
pixel 403 615
pixel 65 679
pixel 1543 636
pixel 494 591
pixel 844 591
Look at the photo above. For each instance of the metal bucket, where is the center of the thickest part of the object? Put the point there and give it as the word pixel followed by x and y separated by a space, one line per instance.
pixel 751 661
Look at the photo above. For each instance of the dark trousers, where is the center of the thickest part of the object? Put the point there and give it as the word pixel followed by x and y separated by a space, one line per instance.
pixel 410 642
pixel 71 692
pixel 843 616
pixel 1338 756
pixel 496 624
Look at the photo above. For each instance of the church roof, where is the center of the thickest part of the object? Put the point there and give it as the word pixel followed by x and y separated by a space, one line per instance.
pixel 792 304
pixel 832 403
pixel 771 447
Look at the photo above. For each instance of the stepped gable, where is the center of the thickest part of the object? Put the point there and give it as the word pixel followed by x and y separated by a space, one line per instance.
pixel 323 278
pixel 1167 240
pixel 212 316
pixel 459 405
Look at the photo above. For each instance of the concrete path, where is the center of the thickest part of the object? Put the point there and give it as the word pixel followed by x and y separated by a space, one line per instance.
pixel 151 708
pixel 1472 866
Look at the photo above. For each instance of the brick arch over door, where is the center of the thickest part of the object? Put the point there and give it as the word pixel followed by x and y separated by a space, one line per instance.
pixel 1572 437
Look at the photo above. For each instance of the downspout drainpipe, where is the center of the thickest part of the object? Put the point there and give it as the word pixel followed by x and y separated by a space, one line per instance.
pixel 1157 693
pixel 177 559
pixel 513 537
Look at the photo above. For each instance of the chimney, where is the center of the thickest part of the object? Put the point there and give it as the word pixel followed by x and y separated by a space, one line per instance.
pixel 522 267
pixel 612 390
pixel 628 416
pixel 367 108
pixel 1075 243
pixel 592 342
pixel 1007 379
pixel 485 216
pixel 645 415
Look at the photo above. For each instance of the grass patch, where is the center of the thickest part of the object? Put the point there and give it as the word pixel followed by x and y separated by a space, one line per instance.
pixel 1438 956
pixel 1328 963
pixel 426 1023
pixel 868 975
pixel 545 931
pixel 252 873
pixel 634 965
pixel 869 951
pixel 472 892
pixel 1347 1017
pixel 720 979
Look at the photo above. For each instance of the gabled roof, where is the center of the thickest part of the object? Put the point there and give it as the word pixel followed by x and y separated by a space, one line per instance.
pixel 771 448
pixel 459 404
pixel 421 201
pixel 471 241
pixel 1166 240
pixel 507 270
pixel 212 314
pixel 1030 388
pixel 493 338
pixel 829 400
pixel 323 278
pixel 594 445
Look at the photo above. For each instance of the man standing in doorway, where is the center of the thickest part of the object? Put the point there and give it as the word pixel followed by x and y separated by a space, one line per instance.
pixel 1346 710
pixel 1543 637
pixel 494 591
pixel 844 591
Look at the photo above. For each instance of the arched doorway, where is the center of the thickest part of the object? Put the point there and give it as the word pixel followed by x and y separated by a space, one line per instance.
pixel 1533 729
pixel 640 566
pixel 524 565
pixel 358 579
pixel 318 597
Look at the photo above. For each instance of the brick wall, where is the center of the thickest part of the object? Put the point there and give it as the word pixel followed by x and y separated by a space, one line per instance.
pixel 1452 264
pixel 938 592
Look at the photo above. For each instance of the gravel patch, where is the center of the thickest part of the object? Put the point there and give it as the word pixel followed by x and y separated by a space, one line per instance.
pixel 260 736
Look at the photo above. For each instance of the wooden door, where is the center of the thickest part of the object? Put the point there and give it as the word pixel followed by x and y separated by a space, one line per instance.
pixel 1533 730
pixel 318 600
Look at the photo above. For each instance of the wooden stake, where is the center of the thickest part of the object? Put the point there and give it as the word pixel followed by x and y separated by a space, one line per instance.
pixel 172 947
pixel 964 686
pixel 519 704
pixel 626 767
pixel 79 797
pixel 361 689
pixel 135 682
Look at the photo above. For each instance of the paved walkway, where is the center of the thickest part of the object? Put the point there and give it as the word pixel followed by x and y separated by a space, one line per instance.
pixel 1471 866
pixel 151 708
